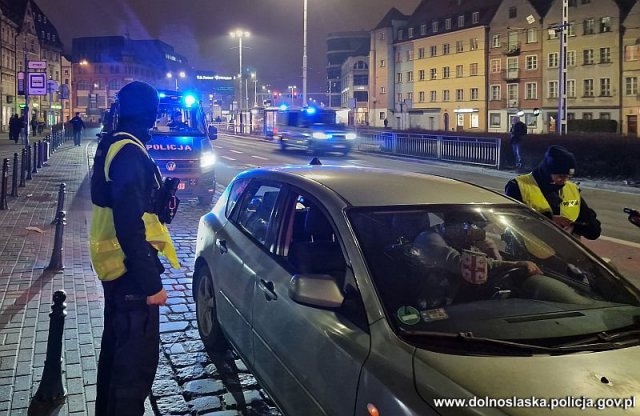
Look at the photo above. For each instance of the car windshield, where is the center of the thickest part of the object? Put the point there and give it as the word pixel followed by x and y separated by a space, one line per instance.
pixel 498 272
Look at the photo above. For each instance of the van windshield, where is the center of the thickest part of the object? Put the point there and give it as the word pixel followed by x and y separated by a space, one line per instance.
pixel 174 119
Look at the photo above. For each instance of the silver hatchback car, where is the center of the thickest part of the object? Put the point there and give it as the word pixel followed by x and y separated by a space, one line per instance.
pixel 356 291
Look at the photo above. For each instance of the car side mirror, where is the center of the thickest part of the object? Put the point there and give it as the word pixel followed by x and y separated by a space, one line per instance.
pixel 320 290
pixel 212 132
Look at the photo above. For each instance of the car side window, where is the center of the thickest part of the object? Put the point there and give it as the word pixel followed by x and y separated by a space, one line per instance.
pixel 257 210
pixel 237 189
pixel 309 243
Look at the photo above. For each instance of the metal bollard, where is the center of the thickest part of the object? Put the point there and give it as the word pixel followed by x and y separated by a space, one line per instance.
pixel 55 264
pixel 51 393
pixel 3 188
pixel 46 149
pixel 40 154
pixel 34 165
pixel 23 164
pixel 14 176
pixel 60 207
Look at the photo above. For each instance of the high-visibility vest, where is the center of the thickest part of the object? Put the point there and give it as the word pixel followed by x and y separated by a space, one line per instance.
pixel 106 254
pixel 533 197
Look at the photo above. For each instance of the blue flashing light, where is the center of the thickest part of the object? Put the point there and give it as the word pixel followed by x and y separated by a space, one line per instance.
pixel 162 95
pixel 311 110
pixel 189 100
pixel 283 107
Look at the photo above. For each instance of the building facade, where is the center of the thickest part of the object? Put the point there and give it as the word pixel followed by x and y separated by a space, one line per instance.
pixel 631 71
pixel 340 46
pixel 355 89
pixel 516 65
pixel 382 69
pixel 468 65
pixel 9 29
pixel 593 62
pixel 103 65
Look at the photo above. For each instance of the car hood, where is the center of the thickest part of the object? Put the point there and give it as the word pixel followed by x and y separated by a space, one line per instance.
pixel 607 374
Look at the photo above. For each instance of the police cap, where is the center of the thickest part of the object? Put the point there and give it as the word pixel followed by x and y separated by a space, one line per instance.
pixel 138 99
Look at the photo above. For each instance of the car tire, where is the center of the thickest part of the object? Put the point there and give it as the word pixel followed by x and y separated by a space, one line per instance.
pixel 208 325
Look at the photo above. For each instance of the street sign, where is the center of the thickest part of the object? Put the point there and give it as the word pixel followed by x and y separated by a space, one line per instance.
pixel 37 65
pixel 52 86
pixel 37 84
pixel 64 91
pixel 21 87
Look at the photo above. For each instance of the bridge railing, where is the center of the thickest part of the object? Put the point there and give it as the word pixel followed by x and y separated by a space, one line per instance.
pixel 484 151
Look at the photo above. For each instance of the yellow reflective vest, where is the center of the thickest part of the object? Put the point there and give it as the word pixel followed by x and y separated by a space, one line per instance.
pixel 533 197
pixel 106 254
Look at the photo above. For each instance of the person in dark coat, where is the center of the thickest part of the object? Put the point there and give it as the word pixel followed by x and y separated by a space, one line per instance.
pixel 77 125
pixel 518 131
pixel 15 125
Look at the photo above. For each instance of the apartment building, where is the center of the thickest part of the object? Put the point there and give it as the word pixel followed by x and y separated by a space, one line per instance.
pixel 631 71
pixel 382 69
pixel 8 28
pixel 355 89
pixel 515 70
pixel 593 61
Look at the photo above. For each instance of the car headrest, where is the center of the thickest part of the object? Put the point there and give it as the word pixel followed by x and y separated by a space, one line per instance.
pixel 268 202
pixel 320 257
pixel 409 224
pixel 316 223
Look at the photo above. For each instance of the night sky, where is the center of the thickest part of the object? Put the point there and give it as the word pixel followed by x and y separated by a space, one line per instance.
pixel 199 30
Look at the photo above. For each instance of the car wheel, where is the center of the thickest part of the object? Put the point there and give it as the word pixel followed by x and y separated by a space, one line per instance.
pixel 208 325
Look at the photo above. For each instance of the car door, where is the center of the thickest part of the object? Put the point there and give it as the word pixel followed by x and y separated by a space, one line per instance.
pixel 242 238
pixel 309 358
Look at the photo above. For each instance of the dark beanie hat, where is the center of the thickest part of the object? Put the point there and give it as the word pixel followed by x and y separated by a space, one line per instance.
pixel 559 161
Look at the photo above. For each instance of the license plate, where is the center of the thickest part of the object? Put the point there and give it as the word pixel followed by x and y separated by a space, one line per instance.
pixel 182 185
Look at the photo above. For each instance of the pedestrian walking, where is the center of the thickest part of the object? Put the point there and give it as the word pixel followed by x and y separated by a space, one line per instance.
pixel 548 190
pixel 125 238
pixel 518 131
pixel 386 123
pixel 15 125
pixel 77 125
pixel 34 125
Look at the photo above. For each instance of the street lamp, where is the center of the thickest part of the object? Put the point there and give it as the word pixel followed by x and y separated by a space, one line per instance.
pixel 292 88
pixel 240 34
pixel 255 89
pixel 180 74
pixel 304 56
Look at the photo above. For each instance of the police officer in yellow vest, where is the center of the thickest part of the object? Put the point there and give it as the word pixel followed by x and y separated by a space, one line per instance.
pixel 548 190
pixel 125 239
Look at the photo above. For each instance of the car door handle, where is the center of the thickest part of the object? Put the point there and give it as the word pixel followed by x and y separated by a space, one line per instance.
pixel 222 246
pixel 268 289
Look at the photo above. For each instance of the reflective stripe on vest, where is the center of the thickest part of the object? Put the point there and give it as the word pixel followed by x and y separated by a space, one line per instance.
pixel 106 254
pixel 533 197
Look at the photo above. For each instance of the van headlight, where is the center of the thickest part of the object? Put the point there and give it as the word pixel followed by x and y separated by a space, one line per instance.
pixel 350 136
pixel 207 160
pixel 321 135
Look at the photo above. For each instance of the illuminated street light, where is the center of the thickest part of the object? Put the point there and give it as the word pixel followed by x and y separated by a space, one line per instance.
pixel 180 74
pixel 240 34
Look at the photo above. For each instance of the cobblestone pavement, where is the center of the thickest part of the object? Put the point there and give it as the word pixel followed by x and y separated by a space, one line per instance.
pixel 187 382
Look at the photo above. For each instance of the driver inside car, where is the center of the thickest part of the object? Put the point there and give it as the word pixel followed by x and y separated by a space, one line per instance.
pixel 460 247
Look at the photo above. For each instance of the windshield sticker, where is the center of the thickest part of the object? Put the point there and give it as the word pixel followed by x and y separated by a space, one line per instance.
pixel 474 267
pixel 408 315
pixel 434 315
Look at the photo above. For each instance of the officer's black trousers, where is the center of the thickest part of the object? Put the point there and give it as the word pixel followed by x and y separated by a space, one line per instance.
pixel 128 355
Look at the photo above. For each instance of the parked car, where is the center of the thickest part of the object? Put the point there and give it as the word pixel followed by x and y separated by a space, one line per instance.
pixel 321 278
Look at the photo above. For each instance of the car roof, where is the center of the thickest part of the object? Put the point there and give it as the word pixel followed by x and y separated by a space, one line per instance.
pixel 363 186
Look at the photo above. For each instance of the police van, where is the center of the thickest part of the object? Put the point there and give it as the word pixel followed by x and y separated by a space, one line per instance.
pixel 313 129
pixel 181 145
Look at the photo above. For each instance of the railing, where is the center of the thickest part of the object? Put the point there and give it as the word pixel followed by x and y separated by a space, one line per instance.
pixel 484 151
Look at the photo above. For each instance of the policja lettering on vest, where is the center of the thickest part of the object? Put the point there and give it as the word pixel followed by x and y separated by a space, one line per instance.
pixel 126 237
